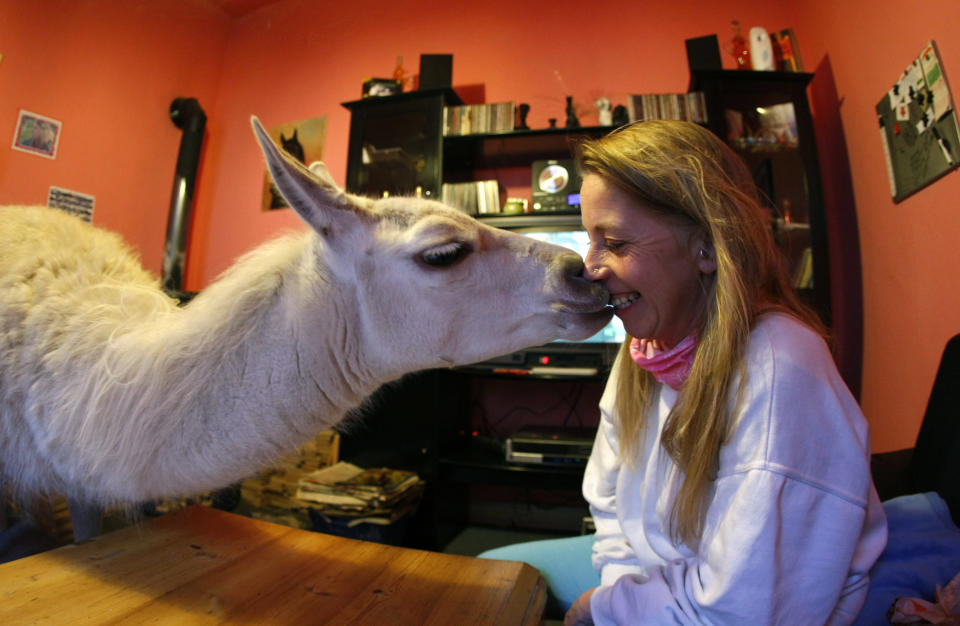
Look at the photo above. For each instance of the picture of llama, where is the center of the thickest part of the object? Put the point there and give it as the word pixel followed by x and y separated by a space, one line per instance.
pixel 111 393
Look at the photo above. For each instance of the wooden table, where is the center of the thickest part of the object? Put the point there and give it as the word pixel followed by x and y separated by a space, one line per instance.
pixel 204 566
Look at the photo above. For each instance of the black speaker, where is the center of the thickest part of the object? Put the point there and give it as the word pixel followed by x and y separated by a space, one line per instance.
pixel 703 53
pixel 436 71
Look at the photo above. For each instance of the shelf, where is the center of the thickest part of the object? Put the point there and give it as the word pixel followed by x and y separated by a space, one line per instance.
pixel 757 82
pixel 531 220
pixel 534 133
pixel 482 466
pixel 514 149
pixel 513 373
pixel 450 97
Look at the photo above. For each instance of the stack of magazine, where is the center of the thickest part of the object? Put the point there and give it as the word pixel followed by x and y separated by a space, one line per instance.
pixel 345 489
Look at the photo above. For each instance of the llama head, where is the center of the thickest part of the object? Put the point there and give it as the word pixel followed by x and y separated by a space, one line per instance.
pixel 428 285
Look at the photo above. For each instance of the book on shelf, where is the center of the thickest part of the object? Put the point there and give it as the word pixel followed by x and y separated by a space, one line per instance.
pixel 690 107
pixel 786 52
pixel 475 197
pixel 474 119
pixel 803 273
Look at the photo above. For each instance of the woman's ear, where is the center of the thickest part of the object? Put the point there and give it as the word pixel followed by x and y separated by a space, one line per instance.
pixel 704 255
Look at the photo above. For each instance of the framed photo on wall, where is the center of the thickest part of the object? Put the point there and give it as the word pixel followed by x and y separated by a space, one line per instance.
pixel 919 128
pixel 302 140
pixel 376 87
pixel 37 134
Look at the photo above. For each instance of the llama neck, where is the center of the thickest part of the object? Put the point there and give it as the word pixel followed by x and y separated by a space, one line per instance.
pixel 285 338
pixel 270 359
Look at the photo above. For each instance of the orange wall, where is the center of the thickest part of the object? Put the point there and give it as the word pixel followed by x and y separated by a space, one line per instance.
pixel 109 69
pixel 911 283
pixel 295 60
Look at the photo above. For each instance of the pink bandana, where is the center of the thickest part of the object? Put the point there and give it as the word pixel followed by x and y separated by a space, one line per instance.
pixel 671 366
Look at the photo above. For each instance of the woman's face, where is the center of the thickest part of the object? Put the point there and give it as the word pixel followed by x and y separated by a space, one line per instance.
pixel 653 267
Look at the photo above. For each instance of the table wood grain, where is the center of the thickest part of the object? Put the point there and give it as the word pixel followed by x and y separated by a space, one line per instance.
pixel 204 566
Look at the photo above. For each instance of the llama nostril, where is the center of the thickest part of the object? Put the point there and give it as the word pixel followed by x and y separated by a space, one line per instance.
pixel 572 265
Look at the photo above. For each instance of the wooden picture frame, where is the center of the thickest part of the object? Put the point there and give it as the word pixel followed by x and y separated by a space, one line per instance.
pixel 378 87
pixel 37 134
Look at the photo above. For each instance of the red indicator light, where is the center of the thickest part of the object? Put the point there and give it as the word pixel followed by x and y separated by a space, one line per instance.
pixel 544 360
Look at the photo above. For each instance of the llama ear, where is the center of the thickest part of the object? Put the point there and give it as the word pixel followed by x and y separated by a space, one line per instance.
pixel 317 199
pixel 321 171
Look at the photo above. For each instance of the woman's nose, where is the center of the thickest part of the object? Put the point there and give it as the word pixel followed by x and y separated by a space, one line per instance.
pixel 593 269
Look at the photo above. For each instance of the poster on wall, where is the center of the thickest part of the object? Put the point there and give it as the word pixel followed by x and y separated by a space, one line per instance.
pixel 73 202
pixel 304 141
pixel 918 126
pixel 37 134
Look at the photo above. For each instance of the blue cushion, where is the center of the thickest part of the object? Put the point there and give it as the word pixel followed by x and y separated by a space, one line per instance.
pixel 923 551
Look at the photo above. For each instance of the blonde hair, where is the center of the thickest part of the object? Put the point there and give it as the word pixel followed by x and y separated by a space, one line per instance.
pixel 686 172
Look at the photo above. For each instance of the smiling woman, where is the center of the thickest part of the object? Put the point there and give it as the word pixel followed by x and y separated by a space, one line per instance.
pixel 651 264
pixel 730 467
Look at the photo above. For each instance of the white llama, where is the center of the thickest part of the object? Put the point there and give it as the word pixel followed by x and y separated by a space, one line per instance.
pixel 110 393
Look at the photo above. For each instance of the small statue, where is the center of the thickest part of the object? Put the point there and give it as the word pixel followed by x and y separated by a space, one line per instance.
pixel 603 111
pixel 572 121
pixel 521 124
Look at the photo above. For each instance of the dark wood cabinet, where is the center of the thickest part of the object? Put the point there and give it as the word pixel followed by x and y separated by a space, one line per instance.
pixel 397 146
pixel 396 143
pixel 766 118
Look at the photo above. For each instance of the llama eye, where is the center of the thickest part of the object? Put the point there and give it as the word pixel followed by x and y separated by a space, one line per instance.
pixel 446 255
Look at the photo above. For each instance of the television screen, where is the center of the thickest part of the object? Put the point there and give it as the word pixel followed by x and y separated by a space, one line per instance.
pixel 577 240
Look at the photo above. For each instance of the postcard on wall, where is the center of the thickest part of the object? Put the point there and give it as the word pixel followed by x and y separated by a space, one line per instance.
pixel 37 134
pixel 918 126
pixel 73 202
pixel 304 141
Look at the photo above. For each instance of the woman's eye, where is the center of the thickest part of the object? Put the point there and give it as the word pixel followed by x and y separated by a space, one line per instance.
pixel 612 244
pixel 445 255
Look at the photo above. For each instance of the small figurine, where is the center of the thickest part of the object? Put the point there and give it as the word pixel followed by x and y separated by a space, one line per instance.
pixel 603 111
pixel 521 124
pixel 572 121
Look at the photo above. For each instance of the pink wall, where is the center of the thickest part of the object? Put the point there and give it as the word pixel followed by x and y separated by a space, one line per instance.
pixel 108 70
pixel 911 287
pixel 295 60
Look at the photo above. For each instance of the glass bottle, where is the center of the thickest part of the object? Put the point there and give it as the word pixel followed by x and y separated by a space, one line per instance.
pixel 399 73
pixel 739 48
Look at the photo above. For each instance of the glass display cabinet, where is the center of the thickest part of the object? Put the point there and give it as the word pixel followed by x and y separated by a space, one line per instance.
pixel 765 116
pixel 396 143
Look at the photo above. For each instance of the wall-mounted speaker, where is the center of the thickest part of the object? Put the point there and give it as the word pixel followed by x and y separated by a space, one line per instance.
pixel 436 71
pixel 703 53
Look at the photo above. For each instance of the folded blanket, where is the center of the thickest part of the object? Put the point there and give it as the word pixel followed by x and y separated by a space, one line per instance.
pixel 922 553
pixel 919 611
